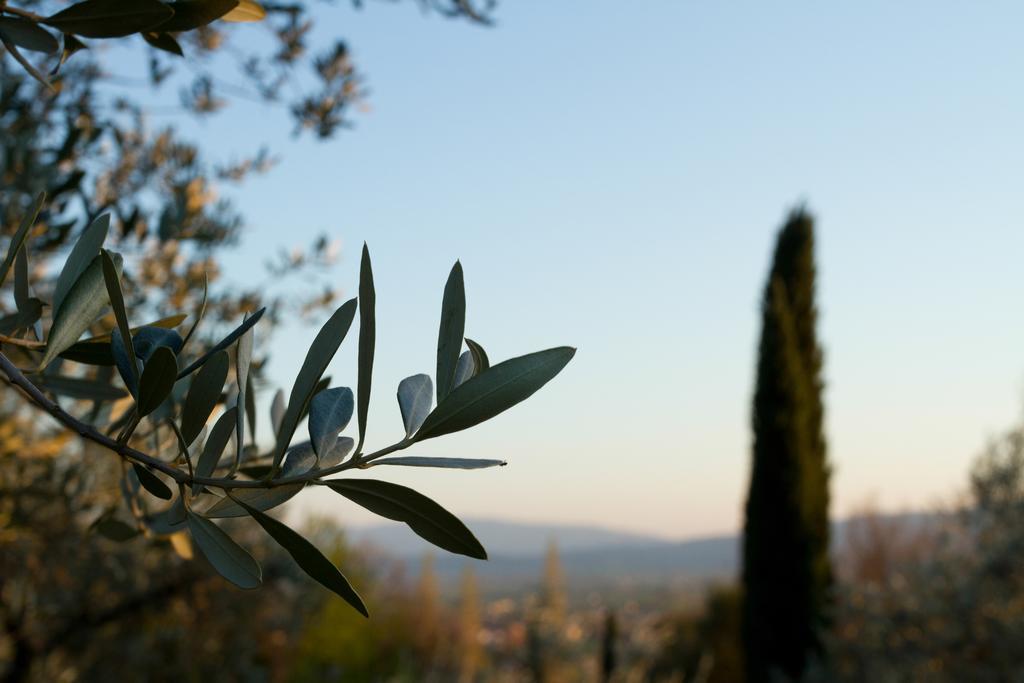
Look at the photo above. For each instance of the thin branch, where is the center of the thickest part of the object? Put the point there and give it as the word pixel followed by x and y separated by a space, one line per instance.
pixel 86 431
pixel 23 343
pixel 4 7
pixel 89 432
pixel 27 65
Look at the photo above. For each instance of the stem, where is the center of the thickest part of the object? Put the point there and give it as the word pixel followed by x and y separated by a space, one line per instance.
pixel 24 343
pixel 4 7
pixel 86 431
pixel 27 65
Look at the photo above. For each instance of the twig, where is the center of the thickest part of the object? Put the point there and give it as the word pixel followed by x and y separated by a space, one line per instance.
pixel 4 7
pixel 27 65
pixel 24 343
pixel 86 431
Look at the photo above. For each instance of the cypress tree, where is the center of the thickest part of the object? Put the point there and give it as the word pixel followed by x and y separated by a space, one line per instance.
pixel 787 574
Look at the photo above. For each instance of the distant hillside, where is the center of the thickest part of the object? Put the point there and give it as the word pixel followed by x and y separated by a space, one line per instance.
pixel 504 538
pixel 517 551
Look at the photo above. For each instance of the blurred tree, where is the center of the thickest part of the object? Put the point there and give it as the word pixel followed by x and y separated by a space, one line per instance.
pixel 953 608
pixel 93 148
pixel 786 567
pixel 546 623
pixel 703 646
pixel 430 636
pixel 470 651
pixel 609 646
pixel 552 598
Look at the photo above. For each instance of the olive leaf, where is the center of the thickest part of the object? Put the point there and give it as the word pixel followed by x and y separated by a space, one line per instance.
pixel 494 391
pixel 367 340
pixel 151 482
pixel 229 559
pixel 447 463
pixel 480 360
pixel 200 312
pixel 109 18
pixel 203 395
pixel 243 359
pixel 320 353
pixel 450 332
pixel 191 14
pixel 329 414
pixel 261 499
pixel 465 368
pixel 27 34
pixel 78 309
pixel 157 382
pixel 221 433
pixel 127 366
pixel 311 560
pixel 425 517
pixel 415 397
pixel 223 343
pixel 82 254
pixel 165 42
pixel 81 388
pixel 27 221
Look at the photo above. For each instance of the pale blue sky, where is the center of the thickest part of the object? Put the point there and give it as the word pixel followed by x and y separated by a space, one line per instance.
pixel 611 175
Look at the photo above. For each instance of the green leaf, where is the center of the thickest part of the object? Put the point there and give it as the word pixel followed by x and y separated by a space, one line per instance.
pixel 110 18
pixel 277 408
pixel 23 319
pixel 415 396
pixel 169 521
pixel 203 395
pixel 337 453
pixel 97 350
pixel 82 254
pixel 148 339
pixel 22 296
pixel 425 517
pixel 151 482
pixel 367 340
pixel 112 279
pixel 329 414
pixel 165 42
pixel 215 445
pixel 81 388
pixel 448 463
pixel 27 34
pixel 158 377
pixel 243 359
pixel 250 409
pixel 480 360
pixel 223 343
pixel 465 368
pixel 81 306
pixel 311 560
pixel 494 391
pixel 199 313
pixel 451 332
pixel 320 353
pixel 299 459
pixel 191 14
pixel 124 362
pixel 27 221
pixel 229 559
pixel 261 499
